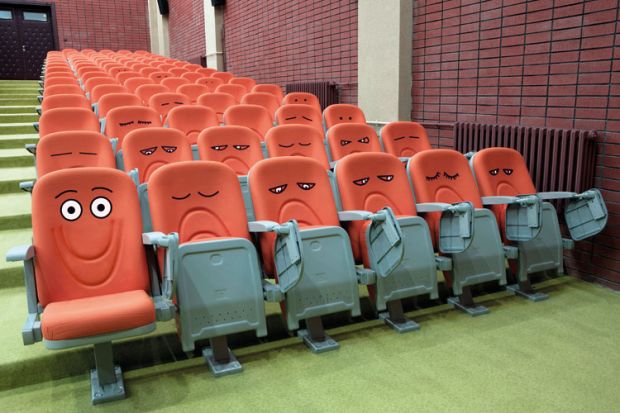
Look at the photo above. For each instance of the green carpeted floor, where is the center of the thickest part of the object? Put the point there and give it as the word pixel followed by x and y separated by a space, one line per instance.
pixel 560 355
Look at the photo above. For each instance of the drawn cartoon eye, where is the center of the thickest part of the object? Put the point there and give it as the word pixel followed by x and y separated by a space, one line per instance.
pixel 285 146
pixel 344 142
pixel 361 181
pixel 386 178
pixel 434 177
pixel 494 171
pixel 179 198
pixel 306 186
pixel 241 147
pixel 165 103
pixel 169 149
pixel 364 140
pixel 305 144
pixel 507 171
pixel 399 138
pixel 219 147
pixel 101 207
pixel 144 122
pixel 278 189
pixel 148 151
pixel 71 210
pixel 125 123
pixel 451 177
pixel 178 103
pixel 341 118
pixel 350 118
pixel 211 195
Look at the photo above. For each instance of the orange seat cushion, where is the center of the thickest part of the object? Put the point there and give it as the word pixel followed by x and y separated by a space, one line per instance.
pixel 93 316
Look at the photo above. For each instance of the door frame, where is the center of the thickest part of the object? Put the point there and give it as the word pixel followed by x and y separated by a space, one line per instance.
pixel 52 8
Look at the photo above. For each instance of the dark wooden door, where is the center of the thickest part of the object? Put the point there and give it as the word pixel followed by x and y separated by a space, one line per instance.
pixel 26 35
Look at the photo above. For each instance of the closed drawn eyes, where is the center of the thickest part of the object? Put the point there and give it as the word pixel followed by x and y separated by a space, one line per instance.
pixel 278 189
pixel 306 186
pixel 386 178
pixel 126 123
pixel 434 177
pixel 165 103
pixel 87 153
pixel 305 144
pixel 291 118
pixel 286 146
pixel 241 147
pixel 344 142
pixel 451 177
pixel 169 149
pixel 361 181
pixel 306 118
pixel 406 137
pixel 178 103
pixel 148 151
pixel 180 198
pixel 219 147
pixel 507 171
pixel 211 195
pixel 144 122
pixel 494 171
pixel 364 140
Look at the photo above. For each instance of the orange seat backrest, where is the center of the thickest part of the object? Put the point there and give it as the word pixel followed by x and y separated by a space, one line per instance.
pixel 342 113
pixel 247 82
pixel 252 116
pixel 147 71
pixel 116 69
pixel 192 91
pixel 236 146
pixel 299 115
pixel 159 76
pixel 73 149
pixel 87 233
pixel 60 80
pixel 135 82
pixel 62 90
pixel 166 66
pixel 347 138
pixel 219 102
pixel 371 181
pixel 123 76
pixel 178 71
pixel 223 76
pixel 198 200
pixel 442 175
pixel 90 84
pixel 163 102
pixel 210 82
pixel 266 100
pixel 149 149
pixel 65 101
pixel 64 119
pixel 120 121
pixel 58 71
pixel 136 67
pixel 269 88
pixel 237 91
pixel 145 92
pixel 302 98
pixel 192 76
pixel 404 139
pixel 116 100
pixel 99 91
pixel 191 120
pixel 296 140
pixel 172 83
pixel 205 71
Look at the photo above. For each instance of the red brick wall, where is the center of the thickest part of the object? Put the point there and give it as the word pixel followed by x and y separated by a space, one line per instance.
pixel 291 41
pixel 538 63
pixel 112 24
pixel 187 29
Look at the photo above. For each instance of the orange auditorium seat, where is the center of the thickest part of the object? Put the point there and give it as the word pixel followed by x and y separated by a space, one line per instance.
pixel 66 119
pixel 191 120
pixel 296 114
pixel 252 116
pixel 122 120
pixel 296 140
pixel 404 139
pixel 236 146
pixel 342 113
pixel 347 138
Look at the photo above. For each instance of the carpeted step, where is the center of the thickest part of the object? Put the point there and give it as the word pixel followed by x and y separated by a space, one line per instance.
pixel 18 117
pixel 18 109
pixel 11 274
pixel 11 177
pixel 16 128
pixel 19 100
pixel 17 141
pixel 10 158
pixel 8 92
pixel 15 211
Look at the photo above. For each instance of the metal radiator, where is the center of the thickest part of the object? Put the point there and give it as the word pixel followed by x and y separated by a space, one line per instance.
pixel 327 92
pixel 558 159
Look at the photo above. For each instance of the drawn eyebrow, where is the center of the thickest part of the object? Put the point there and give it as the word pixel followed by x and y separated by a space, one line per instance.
pixel 293 117
pixel 61 154
pixel 88 153
pixel 64 192
pixel 308 119
pixel 102 187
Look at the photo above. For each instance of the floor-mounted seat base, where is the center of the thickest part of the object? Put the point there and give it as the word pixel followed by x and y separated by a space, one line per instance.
pixel 473 311
pixel 107 392
pixel 232 366
pixel 530 295
pixel 405 326
pixel 316 346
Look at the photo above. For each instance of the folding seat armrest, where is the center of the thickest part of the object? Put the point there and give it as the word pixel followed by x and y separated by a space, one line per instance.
pixel 35 125
pixel 26 186
pixel 556 195
pixel 31 331
pixel 354 215
pixel 523 215
pixel 288 251
pixel 272 292
pixel 404 159
pixel 585 213
pixel 171 243
pixel 456 225
pixel 40 98
pixel 31 147
pixel 39 110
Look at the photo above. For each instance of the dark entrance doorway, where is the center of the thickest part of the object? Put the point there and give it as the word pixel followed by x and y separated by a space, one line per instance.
pixel 27 33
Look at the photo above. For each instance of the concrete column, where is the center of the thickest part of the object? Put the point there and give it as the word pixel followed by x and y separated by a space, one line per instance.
pixel 384 59
pixel 158 28
pixel 214 21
